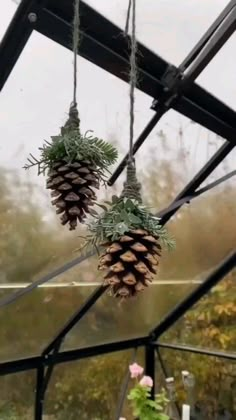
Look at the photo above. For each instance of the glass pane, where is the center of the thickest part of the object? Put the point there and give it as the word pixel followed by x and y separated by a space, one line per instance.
pixel 17 396
pixel 8 8
pixel 110 320
pixel 154 20
pixel 78 276
pixel 30 323
pixel 202 239
pixel 161 374
pixel 223 63
pixel 160 23
pixel 88 389
pixel 213 396
pixel 225 167
pixel 210 323
pixel 176 139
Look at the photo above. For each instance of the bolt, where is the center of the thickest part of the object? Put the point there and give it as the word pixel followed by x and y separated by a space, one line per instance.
pixel 32 17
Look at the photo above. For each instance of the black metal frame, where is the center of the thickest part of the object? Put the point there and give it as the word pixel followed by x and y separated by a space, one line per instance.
pixel 170 87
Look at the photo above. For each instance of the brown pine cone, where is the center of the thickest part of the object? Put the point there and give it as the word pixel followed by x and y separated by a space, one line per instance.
pixel 130 262
pixel 72 189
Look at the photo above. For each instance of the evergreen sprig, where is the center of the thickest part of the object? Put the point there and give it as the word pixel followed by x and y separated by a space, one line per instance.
pixel 122 215
pixel 72 145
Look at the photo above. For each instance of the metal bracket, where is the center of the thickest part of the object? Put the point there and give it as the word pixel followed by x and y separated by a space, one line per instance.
pixel 171 80
pixel 176 80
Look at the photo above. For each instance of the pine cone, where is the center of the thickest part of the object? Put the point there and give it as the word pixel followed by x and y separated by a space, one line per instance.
pixel 131 262
pixel 71 189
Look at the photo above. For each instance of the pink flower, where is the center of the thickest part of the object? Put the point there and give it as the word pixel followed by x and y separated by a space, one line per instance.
pixel 135 370
pixel 146 381
pixel 122 418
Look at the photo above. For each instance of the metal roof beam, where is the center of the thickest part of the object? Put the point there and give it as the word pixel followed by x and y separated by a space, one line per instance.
pixel 104 45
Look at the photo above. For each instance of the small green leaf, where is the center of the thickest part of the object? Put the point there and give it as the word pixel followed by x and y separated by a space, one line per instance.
pixel 121 228
pixel 163 417
pixel 117 219
pixel 134 219
pixel 129 205
pixel 124 215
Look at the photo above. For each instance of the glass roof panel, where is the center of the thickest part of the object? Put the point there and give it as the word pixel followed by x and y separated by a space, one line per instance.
pixel 160 23
pixel 8 8
pixel 30 323
pixel 175 139
pixel 210 324
pixel 17 396
pixel 160 27
pixel 219 76
pixel 204 234
pixel 110 320
pixel 212 394
pixel 226 167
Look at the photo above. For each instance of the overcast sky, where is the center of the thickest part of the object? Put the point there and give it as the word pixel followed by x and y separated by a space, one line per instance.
pixel 36 97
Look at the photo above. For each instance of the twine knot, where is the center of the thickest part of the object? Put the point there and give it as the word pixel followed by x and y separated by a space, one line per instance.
pixel 73 121
pixel 132 188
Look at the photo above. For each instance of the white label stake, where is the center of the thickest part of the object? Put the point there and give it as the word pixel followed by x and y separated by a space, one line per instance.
pixel 185 412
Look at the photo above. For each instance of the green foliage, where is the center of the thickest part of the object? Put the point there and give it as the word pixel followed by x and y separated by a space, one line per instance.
pixel 103 376
pixel 146 409
pixel 210 325
pixel 123 215
pixel 7 412
pixel 72 145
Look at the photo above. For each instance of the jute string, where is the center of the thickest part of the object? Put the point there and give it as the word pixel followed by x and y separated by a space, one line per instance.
pixel 133 77
pixel 76 40
pixel 73 122
pixel 132 187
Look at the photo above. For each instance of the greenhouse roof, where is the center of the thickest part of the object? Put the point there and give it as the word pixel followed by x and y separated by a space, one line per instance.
pixel 171 87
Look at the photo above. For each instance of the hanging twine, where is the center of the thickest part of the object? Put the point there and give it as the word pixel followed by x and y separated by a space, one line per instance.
pixel 133 78
pixel 73 121
pixel 76 34
pixel 128 18
pixel 132 187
